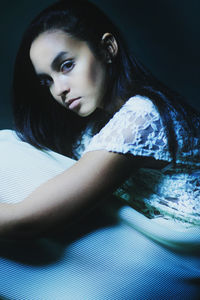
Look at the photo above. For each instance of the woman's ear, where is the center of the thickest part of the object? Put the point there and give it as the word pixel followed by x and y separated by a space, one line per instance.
pixel 110 46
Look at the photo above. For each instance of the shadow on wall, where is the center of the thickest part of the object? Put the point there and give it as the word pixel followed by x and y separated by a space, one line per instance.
pixel 163 35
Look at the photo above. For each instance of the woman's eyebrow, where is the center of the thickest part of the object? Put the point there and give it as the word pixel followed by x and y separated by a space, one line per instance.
pixel 57 59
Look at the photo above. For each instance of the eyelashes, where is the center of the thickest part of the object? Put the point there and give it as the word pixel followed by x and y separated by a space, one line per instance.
pixel 64 68
pixel 67 66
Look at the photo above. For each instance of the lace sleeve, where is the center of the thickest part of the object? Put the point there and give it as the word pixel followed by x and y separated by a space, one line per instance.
pixel 136 129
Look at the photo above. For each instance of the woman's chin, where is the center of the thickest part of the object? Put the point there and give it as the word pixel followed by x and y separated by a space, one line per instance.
pixel 85 112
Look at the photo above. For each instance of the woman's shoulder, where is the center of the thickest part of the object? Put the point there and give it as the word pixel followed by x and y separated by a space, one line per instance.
pixel 136 129
pixel 139 102
pixel 135 107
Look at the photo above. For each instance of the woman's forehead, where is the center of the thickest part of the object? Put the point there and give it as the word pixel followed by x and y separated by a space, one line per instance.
pixel 55 39
pixel 49 44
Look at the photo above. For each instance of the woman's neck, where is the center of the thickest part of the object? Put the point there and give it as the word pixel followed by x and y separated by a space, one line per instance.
pixel 113 107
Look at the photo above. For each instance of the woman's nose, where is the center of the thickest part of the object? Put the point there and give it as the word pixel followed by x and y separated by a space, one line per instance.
pixel 61 88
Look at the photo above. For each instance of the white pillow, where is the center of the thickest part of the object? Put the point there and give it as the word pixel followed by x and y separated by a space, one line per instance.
pixel 23 167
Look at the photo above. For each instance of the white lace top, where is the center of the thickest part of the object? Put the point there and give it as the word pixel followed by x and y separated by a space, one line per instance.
pixel 171 193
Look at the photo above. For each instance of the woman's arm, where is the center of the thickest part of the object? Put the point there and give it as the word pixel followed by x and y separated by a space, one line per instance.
pixel 58 200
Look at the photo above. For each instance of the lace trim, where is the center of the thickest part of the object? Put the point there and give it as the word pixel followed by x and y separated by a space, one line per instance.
pixel 142 132
pixel 171 193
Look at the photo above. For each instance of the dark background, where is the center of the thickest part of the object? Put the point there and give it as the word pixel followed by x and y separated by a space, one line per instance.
pixel 163 34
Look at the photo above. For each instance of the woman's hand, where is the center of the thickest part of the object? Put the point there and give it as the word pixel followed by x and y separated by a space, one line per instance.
pixel 58 200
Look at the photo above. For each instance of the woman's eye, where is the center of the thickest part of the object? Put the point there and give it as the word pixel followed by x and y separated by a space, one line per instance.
pixel 67 66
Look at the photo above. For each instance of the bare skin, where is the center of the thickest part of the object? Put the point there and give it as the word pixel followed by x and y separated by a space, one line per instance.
pixel 97 173
pixel 89 180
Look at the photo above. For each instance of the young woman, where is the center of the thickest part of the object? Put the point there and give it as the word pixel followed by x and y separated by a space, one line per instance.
pixel 78 92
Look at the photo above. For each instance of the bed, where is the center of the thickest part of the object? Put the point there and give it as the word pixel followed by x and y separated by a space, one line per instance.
pixel 111 253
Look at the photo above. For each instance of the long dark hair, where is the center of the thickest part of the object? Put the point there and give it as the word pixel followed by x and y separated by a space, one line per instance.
pixel 41 121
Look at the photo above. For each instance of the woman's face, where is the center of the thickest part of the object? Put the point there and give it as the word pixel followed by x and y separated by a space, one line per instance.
pixel 74 76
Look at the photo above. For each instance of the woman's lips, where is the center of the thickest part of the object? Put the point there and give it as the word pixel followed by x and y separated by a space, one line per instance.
pixel 73 103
